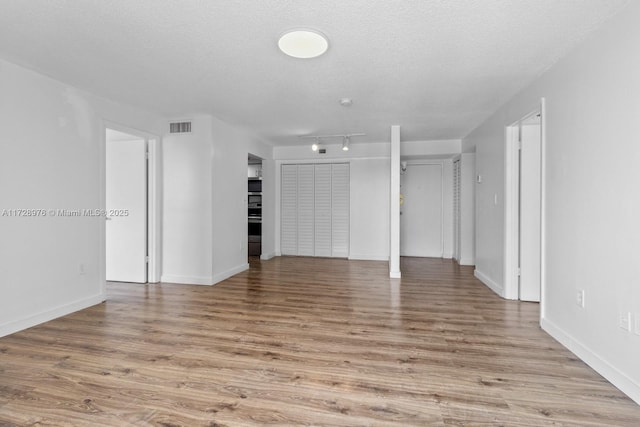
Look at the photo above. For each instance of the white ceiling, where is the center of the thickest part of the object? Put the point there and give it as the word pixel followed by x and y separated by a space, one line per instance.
pixel 438 68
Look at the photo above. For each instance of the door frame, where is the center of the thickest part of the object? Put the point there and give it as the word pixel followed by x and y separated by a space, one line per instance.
pixel 154 200
pixel 511 205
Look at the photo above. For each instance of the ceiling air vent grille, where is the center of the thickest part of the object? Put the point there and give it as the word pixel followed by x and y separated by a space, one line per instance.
pixel 180 127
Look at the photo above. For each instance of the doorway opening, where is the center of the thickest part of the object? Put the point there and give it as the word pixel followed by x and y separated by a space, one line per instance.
pixel 524 246
pixel 131 206
pixel 254 208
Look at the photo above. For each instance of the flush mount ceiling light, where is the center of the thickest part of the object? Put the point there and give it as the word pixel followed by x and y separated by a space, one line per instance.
pixel 303 43
pixel 346 102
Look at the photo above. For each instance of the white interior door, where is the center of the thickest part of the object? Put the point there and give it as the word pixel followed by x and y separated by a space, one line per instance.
pixel 126 216
pixel 421 212
pixel 530 231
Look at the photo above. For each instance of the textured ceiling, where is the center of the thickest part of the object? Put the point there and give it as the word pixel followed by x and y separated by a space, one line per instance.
pixel 438 68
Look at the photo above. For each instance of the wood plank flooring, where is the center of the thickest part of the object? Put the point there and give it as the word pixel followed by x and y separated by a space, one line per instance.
pixel 304 342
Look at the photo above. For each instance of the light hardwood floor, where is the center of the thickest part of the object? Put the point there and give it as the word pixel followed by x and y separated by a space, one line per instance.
pixel 303 341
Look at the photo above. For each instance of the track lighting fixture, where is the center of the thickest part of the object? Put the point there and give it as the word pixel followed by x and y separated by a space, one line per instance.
pixel 346 140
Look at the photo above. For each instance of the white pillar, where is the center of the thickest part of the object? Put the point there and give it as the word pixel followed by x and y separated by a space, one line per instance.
pixel 394 249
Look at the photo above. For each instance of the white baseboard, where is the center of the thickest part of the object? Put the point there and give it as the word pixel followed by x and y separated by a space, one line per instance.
pixel 395 275
pixel 498 289
pixel 369 257
pixel 187 280
pixel 466 261
pixel 627 385
pixel 217 278
pixel 267 257
pixel 47 315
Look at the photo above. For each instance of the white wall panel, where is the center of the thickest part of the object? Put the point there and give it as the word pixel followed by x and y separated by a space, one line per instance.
pixel 591 232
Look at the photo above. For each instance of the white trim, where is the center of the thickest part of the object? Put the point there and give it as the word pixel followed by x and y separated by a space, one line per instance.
pixel 466 261
pixel 154 211
pixel 154 200
pixel 365 257
pixel 511 188
pixel 102 201
pixel 543 204
pixel 47 315
pixel 187 280
pixel 267 256
pixel 494 286
pixel 394 203
pixel 619 379
pixel 511 205
pixel 231 272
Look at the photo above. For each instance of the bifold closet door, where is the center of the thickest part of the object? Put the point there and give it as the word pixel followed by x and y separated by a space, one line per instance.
pixel 315 210
pixel 340 210
pixel 306 210
pixel 456 210
pixel 289 210
pixel 323 211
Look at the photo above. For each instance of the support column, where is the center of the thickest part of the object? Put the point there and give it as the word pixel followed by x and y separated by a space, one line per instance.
pixel 394 217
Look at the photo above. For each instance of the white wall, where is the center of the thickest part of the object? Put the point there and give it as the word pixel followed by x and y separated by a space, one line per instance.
pixel 231 145
pixel 205 201
pixel 187 245
pixel 52 157
pixel 269 179
pixel 467 208
pixel 369 209
pixel 370 188
pixel 592 232
pixel 369 193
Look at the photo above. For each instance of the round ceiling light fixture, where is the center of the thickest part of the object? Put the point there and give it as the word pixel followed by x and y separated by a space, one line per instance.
pixel 303 43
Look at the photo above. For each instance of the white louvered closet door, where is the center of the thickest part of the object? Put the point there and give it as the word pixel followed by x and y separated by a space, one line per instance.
pixel 306 210
pixel 340 210
pixel 456 210
pixel 323 211
pixel 289 210
pixel 315 210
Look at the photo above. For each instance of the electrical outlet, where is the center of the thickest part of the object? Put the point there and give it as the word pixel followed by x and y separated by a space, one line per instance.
pixel 624 320
pixel 580 298
pixel 81 269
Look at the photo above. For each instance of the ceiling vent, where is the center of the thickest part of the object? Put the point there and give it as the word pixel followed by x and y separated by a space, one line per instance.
pixel 180 127
pixel 322 151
